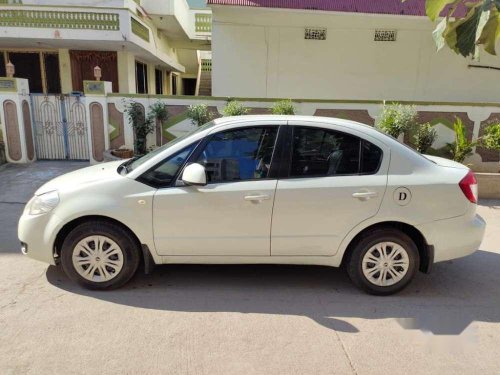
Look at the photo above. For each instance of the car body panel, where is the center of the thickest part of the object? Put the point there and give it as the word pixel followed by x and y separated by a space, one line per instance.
pixel 218 213
pixel 312 215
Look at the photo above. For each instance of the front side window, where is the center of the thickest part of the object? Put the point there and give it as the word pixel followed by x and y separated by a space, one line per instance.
pixel 164 173
pixel 322 152
pixel 239 155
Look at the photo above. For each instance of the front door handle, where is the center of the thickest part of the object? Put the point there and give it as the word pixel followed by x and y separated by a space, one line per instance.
pixel 365 195
pixel 257 198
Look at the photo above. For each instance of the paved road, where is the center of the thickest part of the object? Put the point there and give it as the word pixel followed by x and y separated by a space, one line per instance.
pixel 244 319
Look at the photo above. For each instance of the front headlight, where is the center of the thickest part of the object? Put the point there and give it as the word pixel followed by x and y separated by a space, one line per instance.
pixel 44 203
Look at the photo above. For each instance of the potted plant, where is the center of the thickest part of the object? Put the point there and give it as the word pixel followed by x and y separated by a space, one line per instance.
pixel 141 124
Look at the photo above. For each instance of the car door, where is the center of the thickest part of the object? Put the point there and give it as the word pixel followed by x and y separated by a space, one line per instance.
pixel 231 215
pixel 334 179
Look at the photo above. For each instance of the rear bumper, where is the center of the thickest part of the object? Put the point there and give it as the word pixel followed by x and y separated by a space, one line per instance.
pixel 454 238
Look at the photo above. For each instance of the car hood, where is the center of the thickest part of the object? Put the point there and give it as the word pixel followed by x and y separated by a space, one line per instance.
pixel 445 162
pixel 82 176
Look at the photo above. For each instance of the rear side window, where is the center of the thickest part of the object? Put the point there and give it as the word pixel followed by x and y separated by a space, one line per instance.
pixel 322 152
pixel 371 156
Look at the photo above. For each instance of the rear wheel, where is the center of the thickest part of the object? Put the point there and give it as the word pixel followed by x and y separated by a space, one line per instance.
pixel 100 255
pixel 383 262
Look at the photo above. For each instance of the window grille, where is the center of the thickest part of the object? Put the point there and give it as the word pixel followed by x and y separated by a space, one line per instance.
pixel 385 35
pixel 315 33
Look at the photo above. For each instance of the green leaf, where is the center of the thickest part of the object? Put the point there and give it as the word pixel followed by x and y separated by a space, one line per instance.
pixel 491 32
pixel 463 34
pixel 433 8
pixel 438 34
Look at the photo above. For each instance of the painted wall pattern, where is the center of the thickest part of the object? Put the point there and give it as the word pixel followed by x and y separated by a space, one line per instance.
pixel 359 115
pixel 14 150
pixel 28 131
pixel 115 127
pixel 97 131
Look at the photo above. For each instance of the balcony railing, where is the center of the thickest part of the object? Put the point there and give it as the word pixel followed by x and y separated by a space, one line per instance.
pixel 59 20
pixel 203 23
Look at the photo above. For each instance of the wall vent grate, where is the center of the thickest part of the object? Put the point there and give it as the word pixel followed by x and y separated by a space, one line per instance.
pixel 314 33
pixel 385 35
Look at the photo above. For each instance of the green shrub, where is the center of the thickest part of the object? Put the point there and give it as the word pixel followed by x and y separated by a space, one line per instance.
pixel 283 107
pixel 462 147
pixel 397 119
pixel 235 108
pixel 199 114
pixel 141 124
pixel 159 112
pixel 491 139
pixel 424 137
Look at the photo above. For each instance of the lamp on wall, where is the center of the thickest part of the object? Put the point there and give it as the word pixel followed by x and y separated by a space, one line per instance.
pixel 10 69
pixel 97 73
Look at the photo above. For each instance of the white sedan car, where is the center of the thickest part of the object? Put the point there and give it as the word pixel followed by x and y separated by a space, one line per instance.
pixel 256 190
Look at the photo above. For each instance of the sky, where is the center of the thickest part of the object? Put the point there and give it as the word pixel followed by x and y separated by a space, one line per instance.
pixel 197 3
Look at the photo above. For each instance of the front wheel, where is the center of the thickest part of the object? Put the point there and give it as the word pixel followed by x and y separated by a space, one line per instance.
pixel 383 262
pixel 100 255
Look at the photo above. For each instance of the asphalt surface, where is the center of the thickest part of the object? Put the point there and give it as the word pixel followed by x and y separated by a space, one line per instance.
pixel 242 319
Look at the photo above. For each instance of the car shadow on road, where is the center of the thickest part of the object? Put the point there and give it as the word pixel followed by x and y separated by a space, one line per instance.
pixel 456 294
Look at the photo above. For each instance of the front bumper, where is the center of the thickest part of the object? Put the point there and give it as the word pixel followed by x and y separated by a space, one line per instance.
pixel 37 235
pixel 454 238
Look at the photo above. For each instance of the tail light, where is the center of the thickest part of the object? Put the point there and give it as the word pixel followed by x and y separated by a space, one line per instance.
pixel 469 187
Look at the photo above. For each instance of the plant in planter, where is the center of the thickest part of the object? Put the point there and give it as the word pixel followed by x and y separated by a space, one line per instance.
pixel 462 147
pixel 199 114
pixel 424 137
pixel 397 119
pixel 158 113
pixel 235 108
pixel 142 125
pixel 491 138
pixel 283 107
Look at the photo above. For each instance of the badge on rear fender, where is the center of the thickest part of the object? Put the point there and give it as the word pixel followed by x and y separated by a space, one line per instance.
pixel 402 196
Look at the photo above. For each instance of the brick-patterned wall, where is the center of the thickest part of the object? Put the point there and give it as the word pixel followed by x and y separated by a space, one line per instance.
pixel 359 115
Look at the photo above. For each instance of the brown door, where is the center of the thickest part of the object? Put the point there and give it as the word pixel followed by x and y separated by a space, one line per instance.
pixel 83 63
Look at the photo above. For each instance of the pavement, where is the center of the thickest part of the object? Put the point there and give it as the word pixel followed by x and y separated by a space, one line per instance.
pixel 242 319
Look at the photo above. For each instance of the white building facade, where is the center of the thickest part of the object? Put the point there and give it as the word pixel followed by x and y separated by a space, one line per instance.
pixel 142 46
pixel 262 52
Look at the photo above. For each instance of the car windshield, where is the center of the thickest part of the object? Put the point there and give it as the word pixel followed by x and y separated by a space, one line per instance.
pixel 133 163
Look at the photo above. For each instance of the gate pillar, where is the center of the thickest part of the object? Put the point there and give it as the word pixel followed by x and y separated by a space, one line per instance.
pixel 15 120
pixel 97 107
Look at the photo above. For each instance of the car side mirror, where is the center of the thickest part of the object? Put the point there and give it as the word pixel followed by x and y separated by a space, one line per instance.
pixel 194 174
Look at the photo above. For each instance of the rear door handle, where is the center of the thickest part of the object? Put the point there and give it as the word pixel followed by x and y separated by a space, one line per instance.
pixel 257 198
pixel 365 195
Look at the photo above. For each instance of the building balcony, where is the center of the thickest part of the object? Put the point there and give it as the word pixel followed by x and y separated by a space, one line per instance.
pixel 84 28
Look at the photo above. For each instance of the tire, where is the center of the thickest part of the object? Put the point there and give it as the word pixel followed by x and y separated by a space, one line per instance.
pixel 382 275
pixel 114 262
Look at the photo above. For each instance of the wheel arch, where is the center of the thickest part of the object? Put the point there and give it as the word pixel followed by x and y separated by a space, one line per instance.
pixel 69 226
pixel 425 251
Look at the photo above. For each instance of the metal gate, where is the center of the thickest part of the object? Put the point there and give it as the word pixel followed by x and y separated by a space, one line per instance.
pixel 60 127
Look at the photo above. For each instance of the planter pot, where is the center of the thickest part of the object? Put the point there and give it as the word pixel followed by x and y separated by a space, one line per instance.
pixel 123 154
pixel 489 185
pixel 113 155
